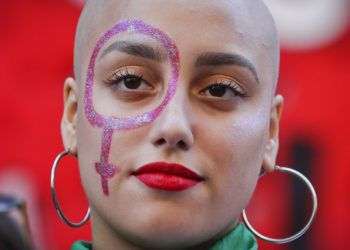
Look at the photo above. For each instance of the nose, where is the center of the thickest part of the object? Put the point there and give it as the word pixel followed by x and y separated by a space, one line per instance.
pixel 172 129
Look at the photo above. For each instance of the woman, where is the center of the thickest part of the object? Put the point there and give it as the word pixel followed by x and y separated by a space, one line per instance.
pixel 172 115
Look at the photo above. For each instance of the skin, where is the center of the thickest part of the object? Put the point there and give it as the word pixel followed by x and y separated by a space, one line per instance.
pixel 226 139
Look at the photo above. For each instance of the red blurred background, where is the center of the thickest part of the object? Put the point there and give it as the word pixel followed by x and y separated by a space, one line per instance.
pixel 37 54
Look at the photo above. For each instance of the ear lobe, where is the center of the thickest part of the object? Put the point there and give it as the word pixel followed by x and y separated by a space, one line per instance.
pixel 69 117
pixel 271 148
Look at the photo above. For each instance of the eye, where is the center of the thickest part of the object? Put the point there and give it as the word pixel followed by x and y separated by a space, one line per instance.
pixel 131 82
pixel 224 90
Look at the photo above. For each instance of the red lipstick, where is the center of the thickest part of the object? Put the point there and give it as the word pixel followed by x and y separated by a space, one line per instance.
pixel 167 176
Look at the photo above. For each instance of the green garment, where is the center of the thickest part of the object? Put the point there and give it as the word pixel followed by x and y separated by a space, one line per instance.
pixel 238 239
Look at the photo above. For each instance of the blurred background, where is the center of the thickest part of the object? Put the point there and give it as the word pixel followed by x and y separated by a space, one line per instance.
pixel 36 45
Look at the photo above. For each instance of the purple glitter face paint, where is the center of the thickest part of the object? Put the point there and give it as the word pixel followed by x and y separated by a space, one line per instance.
pixel 109 123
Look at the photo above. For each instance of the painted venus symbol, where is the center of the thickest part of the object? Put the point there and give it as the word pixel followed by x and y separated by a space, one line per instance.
pixel 110 124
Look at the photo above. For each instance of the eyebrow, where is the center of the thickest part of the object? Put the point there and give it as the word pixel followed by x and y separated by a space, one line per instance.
pixel 219 59
pixel 135 49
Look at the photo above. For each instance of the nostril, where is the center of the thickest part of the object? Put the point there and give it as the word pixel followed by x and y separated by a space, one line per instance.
pixel 182 145
pixel 160 142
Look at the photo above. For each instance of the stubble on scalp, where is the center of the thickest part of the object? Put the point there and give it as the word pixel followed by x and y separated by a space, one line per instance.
pixel 260 20
pixel 84 30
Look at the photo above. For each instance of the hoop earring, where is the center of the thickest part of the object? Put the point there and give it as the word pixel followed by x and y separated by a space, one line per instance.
pixel 54 196
pixel 308 224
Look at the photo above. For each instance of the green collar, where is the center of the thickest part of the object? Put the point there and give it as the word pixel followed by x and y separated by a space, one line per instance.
pixel 81 245
pixel 238 239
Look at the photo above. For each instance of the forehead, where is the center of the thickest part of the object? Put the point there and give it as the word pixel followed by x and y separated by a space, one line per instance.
pixel 194 26
pixel 228 20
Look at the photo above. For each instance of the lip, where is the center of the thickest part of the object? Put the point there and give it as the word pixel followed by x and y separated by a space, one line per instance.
pixel 167 176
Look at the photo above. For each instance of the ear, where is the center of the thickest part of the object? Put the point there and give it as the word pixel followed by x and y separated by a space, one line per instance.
pixel 271 149
pixel 69 118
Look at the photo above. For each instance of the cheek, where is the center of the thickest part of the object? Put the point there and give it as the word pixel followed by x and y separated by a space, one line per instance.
pixel 247 138
pixel 236 151
pixel 89 148
pixel 125 144
pixel 129 149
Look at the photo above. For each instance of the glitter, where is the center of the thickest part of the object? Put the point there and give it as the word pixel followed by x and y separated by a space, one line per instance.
pixel 131 29
pixel 109 124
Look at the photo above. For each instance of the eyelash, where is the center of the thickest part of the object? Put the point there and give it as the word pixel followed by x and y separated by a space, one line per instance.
pixel 236 89
pixel 121 76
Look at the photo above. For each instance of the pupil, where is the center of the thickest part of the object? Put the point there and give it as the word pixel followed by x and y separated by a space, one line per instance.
pixel 132 82
pixel 217 90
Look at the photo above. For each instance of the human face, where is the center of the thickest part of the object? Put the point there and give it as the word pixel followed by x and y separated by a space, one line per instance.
pixel 216 123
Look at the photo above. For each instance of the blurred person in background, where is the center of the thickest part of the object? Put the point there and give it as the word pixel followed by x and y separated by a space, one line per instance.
pixel 14 227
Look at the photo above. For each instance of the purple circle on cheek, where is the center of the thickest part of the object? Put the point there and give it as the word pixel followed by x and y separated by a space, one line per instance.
pixel 116 123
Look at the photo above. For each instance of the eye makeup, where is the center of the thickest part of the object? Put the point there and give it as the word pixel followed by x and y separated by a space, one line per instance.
pixel 128 79
pixel 220 88
pixel 110 124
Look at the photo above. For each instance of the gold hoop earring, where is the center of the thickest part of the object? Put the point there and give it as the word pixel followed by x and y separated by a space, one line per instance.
pixel 309 222
pixel 59 211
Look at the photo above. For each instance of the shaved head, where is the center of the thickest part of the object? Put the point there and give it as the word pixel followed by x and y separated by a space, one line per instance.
pixel 251 19
pixel 185 81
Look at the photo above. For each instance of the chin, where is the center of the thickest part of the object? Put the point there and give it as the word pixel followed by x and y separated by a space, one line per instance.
pixel 163 237
pixel 172 228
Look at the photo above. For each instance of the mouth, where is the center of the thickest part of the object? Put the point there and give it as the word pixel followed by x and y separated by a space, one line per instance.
pixel 167 176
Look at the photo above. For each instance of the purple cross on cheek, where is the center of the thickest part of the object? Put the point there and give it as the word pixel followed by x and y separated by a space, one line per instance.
pixel 104 169
pixel 109 124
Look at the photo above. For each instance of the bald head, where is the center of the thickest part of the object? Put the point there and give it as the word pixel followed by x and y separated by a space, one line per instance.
pixel 250 22
pixel 222 56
